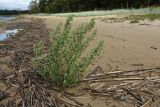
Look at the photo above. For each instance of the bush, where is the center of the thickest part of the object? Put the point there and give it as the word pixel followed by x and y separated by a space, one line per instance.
pixel 63 63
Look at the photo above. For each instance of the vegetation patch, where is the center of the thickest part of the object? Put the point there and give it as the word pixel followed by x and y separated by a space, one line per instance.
pixel 150 17
pixel 63 62
pixel 133 18
pixel 2 24
pixel 134 21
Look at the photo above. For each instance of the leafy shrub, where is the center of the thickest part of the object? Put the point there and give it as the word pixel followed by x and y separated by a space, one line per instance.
pixel 63 63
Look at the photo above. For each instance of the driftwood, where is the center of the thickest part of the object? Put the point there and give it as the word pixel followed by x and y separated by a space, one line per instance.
pixel 31 90
pixel 137 87
pixel 148 103
pixel 25 87
pixel 124 72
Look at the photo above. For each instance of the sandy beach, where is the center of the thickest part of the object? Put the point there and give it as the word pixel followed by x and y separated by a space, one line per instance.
pixel 127 46
pixel 1 29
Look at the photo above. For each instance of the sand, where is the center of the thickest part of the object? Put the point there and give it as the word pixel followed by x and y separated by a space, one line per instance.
pixel 127 46
pixel 1 29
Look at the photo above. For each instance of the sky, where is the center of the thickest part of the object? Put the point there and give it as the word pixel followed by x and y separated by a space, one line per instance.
pixel 14 4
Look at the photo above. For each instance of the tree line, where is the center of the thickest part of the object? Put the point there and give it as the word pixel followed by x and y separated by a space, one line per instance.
pixel 13 12
pixel 56 6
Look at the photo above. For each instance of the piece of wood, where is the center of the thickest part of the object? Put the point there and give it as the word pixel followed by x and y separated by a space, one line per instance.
pixel 99 86
pixel 156 102
pixel 114 79
pixel 148 103
pixel 123 72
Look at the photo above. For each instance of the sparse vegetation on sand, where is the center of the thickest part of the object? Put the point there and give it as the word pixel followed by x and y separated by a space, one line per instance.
pixel 150 17
pixel 2 24
pixel 63 63
pixel 133 18
pixel 141 11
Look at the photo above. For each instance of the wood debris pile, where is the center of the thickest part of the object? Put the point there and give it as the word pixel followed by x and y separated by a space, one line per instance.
pixel 23 87
pixel 29 89
pixel 140 88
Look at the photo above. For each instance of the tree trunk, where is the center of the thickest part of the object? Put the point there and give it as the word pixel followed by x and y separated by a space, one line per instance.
pixel 148 3
pixel 127 4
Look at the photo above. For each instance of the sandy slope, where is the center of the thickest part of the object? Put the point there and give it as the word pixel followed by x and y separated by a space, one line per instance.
pixel 127 46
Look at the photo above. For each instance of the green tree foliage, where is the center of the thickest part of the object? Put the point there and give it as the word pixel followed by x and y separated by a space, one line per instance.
pixel 55 6
pixel 64 62
pixel 13 12
pixel 34 7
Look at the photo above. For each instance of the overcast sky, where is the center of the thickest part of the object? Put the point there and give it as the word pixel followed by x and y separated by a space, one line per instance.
pixel 14 4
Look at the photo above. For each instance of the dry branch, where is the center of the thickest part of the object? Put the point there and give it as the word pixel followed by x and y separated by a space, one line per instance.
pixel 134 87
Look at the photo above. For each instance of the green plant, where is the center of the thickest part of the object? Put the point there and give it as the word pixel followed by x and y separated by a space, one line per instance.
pixel 63 63
pixel 134 21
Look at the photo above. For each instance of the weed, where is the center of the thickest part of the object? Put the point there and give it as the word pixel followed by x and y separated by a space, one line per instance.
pixel 134 21
pixel 63 63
